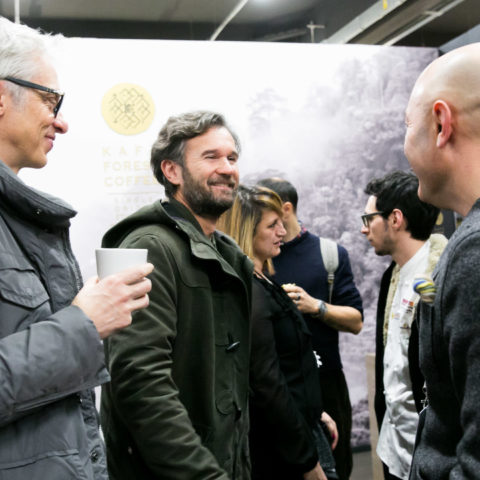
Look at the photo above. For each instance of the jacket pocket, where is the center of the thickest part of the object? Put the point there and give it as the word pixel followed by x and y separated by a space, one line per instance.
pixel 61 465
pixel 19 282
pixel 48 444
pixel 193 277
pixel 225 402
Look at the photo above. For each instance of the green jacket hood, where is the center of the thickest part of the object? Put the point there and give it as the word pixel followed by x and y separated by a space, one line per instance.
pixel 164 212
pixel 175 215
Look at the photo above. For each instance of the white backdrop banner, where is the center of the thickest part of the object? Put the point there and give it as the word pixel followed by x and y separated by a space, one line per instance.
pixel 326 117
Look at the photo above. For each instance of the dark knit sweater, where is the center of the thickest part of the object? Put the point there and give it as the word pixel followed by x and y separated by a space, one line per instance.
pixel 449 332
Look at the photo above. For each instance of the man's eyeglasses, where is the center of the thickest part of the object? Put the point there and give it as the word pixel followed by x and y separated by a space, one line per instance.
pixel 367 217
pixel 58 95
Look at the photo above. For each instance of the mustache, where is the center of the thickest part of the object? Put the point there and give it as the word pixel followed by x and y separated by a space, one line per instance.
pixel 227 180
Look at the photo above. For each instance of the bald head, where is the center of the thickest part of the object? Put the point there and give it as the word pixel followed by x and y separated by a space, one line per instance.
pixel 455 79
pixel 442 142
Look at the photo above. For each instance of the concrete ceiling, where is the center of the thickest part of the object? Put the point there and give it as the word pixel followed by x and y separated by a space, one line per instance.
pixel 156 10
pixel 267 20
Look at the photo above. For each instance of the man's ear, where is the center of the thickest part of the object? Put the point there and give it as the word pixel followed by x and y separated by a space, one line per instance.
pixel 172 171
pixel 443 119
pixel 398 219
pixel 288 210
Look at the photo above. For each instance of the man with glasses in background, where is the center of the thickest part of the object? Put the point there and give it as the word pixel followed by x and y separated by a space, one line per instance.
pixel 397 223
pixel 51 353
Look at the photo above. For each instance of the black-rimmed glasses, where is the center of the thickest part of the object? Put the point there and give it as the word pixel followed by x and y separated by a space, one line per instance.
pixel 24 83
pixel 368 216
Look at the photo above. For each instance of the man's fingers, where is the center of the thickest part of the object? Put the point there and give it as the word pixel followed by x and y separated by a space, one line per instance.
pixel 134 274
pixel 139 303
pixel 140 288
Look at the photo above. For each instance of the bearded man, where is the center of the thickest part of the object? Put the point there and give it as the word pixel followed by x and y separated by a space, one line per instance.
pixel 177 403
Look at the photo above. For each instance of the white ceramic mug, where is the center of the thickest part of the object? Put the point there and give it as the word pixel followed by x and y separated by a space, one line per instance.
pixel 114 260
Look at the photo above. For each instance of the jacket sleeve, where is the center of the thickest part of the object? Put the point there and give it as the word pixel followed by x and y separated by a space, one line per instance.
pixel 49 360
pixel 460 305
pixel 142 388
pixel 291 434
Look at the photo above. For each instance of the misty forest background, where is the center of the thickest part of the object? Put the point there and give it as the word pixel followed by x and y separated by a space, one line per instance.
pixel 355 129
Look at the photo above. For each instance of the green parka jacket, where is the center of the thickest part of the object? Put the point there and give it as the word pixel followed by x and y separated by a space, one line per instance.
pixel 176 407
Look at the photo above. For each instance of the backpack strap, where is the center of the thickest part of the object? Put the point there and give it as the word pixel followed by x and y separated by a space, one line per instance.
pixel 329 251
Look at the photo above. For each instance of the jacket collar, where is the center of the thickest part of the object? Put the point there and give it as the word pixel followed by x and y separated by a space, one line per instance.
pixel 201 246
pixel 31 204
pixel 177 216
pixel 184 218
pixel 471 221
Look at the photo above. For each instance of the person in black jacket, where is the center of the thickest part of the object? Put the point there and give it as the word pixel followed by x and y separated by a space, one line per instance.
pixel 286 438
pixel 329 306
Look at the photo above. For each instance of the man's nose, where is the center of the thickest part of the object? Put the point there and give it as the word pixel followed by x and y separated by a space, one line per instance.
pixel 60 124
pixel 364 230
pixel 227 166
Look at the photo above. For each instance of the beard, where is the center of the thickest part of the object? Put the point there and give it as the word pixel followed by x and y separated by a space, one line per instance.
pixel 381 251
pixel 202 200
pixel 386 247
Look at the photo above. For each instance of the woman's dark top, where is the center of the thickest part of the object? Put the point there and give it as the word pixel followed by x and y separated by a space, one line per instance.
pixel 285 399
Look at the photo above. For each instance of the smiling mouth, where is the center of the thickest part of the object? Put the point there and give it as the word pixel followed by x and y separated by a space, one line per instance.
pixel 223 186
pixel 51 141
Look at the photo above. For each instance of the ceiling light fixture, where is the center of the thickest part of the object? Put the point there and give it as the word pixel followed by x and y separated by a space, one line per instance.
pixel 380 26
pixel 228 18
pixel 422 19
pixel 17 11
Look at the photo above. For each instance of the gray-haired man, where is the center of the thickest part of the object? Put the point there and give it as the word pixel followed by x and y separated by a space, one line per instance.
pixel 51 352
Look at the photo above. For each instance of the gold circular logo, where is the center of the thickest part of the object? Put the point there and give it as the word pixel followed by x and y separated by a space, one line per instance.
pixel 440 219
pixel 128 109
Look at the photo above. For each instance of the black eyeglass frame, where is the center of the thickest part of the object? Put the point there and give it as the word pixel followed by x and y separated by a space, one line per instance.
pixel 368 216
pixel 36 86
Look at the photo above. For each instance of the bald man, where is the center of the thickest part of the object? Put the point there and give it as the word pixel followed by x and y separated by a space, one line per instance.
pixel 442 145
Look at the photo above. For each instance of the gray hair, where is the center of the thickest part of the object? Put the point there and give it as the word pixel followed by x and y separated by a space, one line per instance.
pixel 20 49
pixel 171 141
